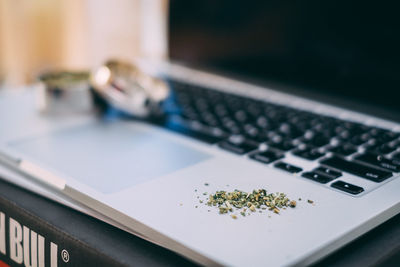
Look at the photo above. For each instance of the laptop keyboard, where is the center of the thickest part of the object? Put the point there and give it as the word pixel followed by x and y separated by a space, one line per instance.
pixel 268 132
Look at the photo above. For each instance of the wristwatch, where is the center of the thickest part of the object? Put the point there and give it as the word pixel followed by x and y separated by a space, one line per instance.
pixel 126 87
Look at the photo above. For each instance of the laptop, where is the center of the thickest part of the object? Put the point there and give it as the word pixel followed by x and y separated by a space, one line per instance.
pixel 289 97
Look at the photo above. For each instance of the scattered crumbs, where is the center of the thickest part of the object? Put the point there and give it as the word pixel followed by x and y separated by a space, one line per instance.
pixel 299 198
pixel 180 204
pixel 247 203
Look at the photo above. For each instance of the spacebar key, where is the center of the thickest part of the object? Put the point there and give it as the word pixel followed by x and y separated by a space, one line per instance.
pixel 356 169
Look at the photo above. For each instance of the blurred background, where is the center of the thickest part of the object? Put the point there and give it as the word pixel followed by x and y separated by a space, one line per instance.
pixel 76 34
pixel 335 47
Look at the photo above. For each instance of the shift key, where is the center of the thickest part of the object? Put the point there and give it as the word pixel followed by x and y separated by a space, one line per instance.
pixel 357 169
pixel 380 161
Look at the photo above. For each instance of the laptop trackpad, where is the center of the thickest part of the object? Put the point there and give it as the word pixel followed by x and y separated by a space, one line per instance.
pixel 110 156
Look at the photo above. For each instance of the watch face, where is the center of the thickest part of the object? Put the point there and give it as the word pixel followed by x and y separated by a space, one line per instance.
pixel 124 78
pixel 128 88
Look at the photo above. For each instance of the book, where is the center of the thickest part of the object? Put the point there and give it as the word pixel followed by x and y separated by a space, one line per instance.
pixel 37 232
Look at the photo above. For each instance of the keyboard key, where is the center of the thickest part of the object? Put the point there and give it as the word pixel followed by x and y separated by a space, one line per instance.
pixel 317 177
pixel 241 116
pixel 346 187
pixel 357 169
pixel 232 127
pixel 238 145
pixel 263 123
pixel 359 139
pixel 375 132
pixel 209 117
pixel 344 135
pixel 317 140
pixel 189 113
pixel 201 104
pixel 356 128
pixel 308 153
pixel 281 144
pixel 396 155
pixel 344 149
pixel 386 136
pixel 266 156
pixel 329 172
pixel 199 133
pixel 380 161
pixel 381 149
pixel 287 167
pixel 290 131
pixel 221 110
pixel 252 132
pixel 395 143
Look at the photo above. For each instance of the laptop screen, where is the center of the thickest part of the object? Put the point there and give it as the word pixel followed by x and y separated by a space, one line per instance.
pixel 347 50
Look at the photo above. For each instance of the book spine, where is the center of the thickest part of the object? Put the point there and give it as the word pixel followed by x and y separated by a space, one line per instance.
pixel 28 240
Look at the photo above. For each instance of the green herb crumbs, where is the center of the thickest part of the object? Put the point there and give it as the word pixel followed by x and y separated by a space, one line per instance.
pixel 257 200
pixel 310 201
pixel 206 184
